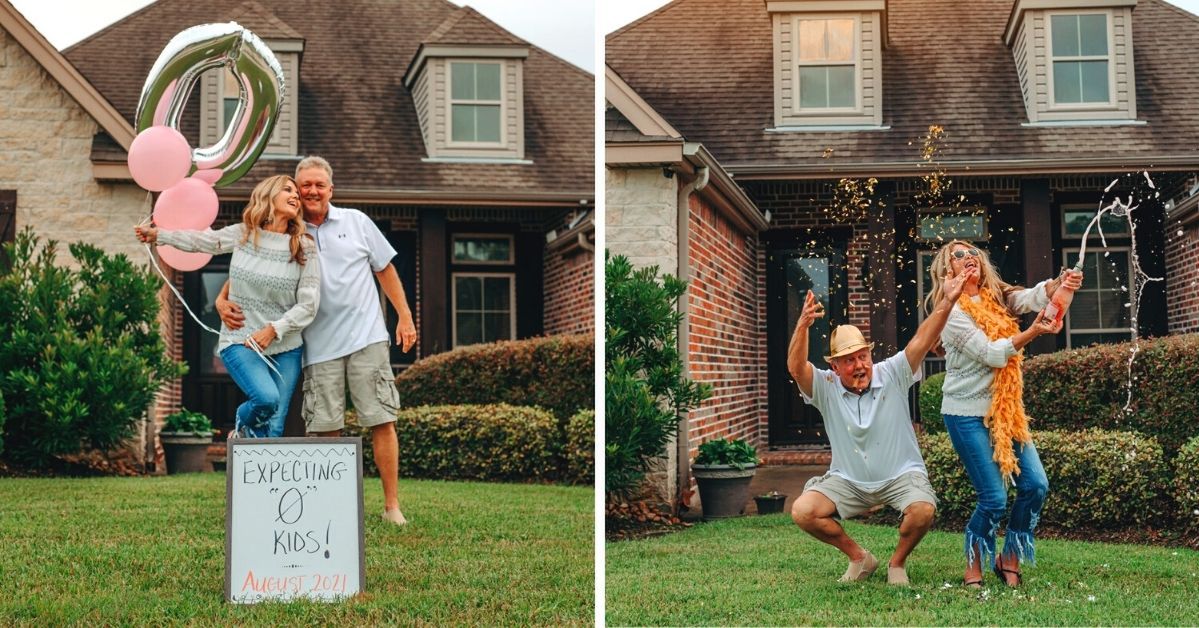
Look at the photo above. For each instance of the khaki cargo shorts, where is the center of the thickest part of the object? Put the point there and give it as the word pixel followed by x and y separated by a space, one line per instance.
pixel 372 390
pixel 851 500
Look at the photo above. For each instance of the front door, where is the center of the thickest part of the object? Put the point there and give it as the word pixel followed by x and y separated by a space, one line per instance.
pixel 207 386
pixel 792 270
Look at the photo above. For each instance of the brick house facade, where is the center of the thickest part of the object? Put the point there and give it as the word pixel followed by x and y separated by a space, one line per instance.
pixel 1024 176
pixel 528 201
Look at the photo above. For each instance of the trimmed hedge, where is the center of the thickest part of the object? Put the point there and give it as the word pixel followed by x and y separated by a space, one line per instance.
pixel 1186 484
pixel 930 404
pixel 495 442
pixel 556 373
pixel 1073 390
pixel 1097 478
pixel 580 448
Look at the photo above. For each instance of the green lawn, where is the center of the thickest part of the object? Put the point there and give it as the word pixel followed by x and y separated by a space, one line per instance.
pixel 150 551
pixel 766 571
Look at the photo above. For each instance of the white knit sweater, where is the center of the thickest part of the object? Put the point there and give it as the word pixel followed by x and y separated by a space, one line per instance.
pixel 268 285
pixel 971 359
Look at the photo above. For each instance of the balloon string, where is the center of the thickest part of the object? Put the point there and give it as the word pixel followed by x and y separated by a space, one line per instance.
pixel 270 362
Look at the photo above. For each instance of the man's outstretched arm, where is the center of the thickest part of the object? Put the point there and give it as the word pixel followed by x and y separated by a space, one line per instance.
pixel 797 353
pixel 930 330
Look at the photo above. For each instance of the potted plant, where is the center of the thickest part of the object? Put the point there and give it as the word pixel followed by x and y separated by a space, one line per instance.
pixel 770 503
pixel 723 469
pixel 185 439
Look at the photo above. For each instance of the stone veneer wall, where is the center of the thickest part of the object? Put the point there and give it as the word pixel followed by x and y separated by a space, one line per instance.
pixel 45 156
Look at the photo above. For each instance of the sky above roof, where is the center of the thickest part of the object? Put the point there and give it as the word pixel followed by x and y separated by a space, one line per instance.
pixel 563 27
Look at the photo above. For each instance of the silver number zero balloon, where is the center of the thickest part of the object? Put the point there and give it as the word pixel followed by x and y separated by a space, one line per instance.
pixel 179 66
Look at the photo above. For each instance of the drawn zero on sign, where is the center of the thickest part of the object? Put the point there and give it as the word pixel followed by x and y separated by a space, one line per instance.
pixel 291 508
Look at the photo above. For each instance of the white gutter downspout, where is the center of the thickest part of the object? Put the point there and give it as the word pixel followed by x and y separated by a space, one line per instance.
pixel 683 443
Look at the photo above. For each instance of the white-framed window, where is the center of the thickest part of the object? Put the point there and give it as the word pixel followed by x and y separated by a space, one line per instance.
pixel 1082 72
pixel 476 103
pixel 1077 216
pixel 827 63
pixel 484 307
pixel 229 97
pixel 482 248
pixel 1102 309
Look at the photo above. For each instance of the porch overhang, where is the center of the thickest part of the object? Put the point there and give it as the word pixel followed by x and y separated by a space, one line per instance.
pixel 979 167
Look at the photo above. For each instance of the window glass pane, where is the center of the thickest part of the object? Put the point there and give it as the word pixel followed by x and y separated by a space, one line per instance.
pixel 1084 311
pixel 944 227
pixel 1094 81
pixel 210 286
pixel 488 86
pixel 497 327
pixel 1113 270
pixel 1112 313
pixel 470 328
pixel 840 40
pixel 841 86
pixel 813 87
pixel 469 293
pixel 1077 221
pixel 229 108
pixel 812 40
pixel 487 123
pixel 1092 30
pixel 1065 35
pixel 496 292
pixel 1086 340
pixel 463 123
pixel 482 250
pixel 1066 88
pixel 462 76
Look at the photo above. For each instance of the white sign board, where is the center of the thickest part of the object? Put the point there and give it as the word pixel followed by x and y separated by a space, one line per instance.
pixel 293 520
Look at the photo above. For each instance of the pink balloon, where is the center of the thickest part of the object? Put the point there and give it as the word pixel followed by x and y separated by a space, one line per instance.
pixel 159 157
pixel 189 204
pixel 180 260
pixel 210 176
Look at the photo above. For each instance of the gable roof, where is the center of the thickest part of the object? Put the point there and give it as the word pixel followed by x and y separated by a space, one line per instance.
pixel 706 65
pixel 467 26
pixel 354 110
pixel 56 65
pixel 261 21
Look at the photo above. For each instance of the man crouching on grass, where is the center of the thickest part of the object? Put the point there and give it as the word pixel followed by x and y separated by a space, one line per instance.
pixel 876 460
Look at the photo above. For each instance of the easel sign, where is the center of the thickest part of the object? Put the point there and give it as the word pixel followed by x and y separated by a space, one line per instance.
pixel 293 519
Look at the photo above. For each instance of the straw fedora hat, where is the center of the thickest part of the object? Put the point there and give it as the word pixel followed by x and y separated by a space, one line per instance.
pixel 844 340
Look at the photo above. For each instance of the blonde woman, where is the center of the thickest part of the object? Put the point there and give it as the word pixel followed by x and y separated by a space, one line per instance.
pixel 275 275
pixel 983 404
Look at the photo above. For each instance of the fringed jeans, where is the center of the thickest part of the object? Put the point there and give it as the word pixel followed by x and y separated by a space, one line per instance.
pixel 972 440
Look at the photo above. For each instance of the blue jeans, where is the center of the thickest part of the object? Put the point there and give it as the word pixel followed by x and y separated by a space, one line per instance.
pixel 265 412
pixel 972 440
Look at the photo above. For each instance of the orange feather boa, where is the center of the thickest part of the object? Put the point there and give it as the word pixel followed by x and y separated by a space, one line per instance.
pixel 1005 418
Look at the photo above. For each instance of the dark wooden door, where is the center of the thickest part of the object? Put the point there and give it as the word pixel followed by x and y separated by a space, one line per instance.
pixel 207 386
pixel 818 265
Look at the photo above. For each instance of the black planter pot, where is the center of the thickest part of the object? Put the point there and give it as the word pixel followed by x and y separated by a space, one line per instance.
pixel 186 452
pixel 770 504
pixel 723 489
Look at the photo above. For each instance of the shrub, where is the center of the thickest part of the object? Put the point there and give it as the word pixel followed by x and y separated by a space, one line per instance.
pixel 186 421
pixel 556 373
pixel 646 391
pixel 1097 478
pixel 930 403
pixel 1 421
pixel 720 451
pixel 580 448
pixel 1073 390
pixel 1186 484
pixel 80 354
pixel 495 442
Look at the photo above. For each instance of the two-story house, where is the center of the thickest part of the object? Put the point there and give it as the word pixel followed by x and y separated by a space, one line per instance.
pixel 1049 108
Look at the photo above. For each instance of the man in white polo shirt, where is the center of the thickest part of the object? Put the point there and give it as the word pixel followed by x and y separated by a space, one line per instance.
pixel 347 343
pixel 876 460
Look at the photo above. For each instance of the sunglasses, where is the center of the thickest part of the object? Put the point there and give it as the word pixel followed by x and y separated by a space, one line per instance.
pixel 960 253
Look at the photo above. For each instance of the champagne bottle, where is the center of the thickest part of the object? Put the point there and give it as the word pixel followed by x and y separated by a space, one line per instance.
pixel 1061 299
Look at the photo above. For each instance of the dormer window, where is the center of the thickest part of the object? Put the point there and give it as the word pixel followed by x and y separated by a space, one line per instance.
pixel 1080 57
pixel 476 103
pixel 828 62
pixel 1075 60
